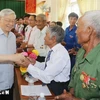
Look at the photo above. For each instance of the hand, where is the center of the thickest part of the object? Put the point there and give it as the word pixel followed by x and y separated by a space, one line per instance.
pixel 28 61
pixel 30 47
pixel 72 91
pixel 17 58
pixel 64 96
pixel 23 45
pixel 72 51
pixel 32 61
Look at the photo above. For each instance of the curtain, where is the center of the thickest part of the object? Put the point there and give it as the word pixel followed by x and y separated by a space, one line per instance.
pixel 87 5
pixel 63 5
pixel 17 6
pixel 63 8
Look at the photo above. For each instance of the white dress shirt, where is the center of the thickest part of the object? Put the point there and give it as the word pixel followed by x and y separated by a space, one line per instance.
pixel 21 27
pixel 58 67
pixel 38 41
pixel 32 35
pixel 27 32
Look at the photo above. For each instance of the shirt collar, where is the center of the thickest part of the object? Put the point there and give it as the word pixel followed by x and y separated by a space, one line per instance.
pixel 55 48
pixel 93 53
pixel 73 27
pixel 44 29
pixel 2 33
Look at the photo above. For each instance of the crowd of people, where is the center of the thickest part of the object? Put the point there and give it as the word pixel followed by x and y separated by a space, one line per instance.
pixel 68 61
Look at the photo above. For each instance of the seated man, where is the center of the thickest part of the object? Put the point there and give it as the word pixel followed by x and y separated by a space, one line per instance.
pixel 85 81
pixel 55 70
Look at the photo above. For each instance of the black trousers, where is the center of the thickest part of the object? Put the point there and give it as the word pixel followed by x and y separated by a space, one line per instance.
pixel 6 94
pixel 40 59
pixel 58 87
pixel 73 59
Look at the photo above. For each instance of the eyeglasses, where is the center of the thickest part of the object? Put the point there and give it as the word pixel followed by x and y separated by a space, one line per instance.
pixel 9 21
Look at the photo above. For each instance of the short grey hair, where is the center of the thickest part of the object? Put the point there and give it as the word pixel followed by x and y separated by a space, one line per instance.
pixel 93 18
pixel 42 16
pixel 6 12
pixel 56 31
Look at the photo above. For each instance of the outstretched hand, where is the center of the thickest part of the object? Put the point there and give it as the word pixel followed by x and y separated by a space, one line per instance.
pixel 28 61
pixel 18 58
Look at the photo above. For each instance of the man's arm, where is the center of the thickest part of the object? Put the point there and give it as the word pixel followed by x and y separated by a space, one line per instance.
pixel 17 58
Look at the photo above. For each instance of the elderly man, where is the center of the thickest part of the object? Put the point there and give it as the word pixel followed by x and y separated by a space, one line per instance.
pixel 85 81
pixel 55 70
pixel 38 40
pixel 7 50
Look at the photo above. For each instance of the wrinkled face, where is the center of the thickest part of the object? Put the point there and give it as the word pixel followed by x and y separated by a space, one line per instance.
pixel 7 23
pixel 83 32
pixel 72 21
pixel 48 39
pixel 31 21
pixel 40 23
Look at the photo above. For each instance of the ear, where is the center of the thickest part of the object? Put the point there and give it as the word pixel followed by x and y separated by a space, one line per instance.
pixel 54 38
pixel 91 39
pixel 89 29
pixel 91 32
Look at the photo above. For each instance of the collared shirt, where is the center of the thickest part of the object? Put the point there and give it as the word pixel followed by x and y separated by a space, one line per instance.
pixel 86 75
pixel 70 38
pixel 38 41
pixel 32 35
pixel 27 32
pixel 7 46
pixel 58 67
pixel 20 29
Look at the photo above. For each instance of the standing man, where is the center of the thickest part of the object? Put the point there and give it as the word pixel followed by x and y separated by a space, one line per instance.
pixel 70 37
pixel 55 70
pixel 7 47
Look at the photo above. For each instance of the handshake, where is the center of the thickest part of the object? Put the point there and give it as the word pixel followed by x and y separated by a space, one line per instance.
pixel 31 58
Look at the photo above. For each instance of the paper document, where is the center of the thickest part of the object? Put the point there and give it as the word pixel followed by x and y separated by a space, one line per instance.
pixel 34 90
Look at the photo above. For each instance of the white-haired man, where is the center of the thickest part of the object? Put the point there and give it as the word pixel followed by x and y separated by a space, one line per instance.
pixel 38 41
pixel 55 70
pixel 85 81
pixel 7 50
